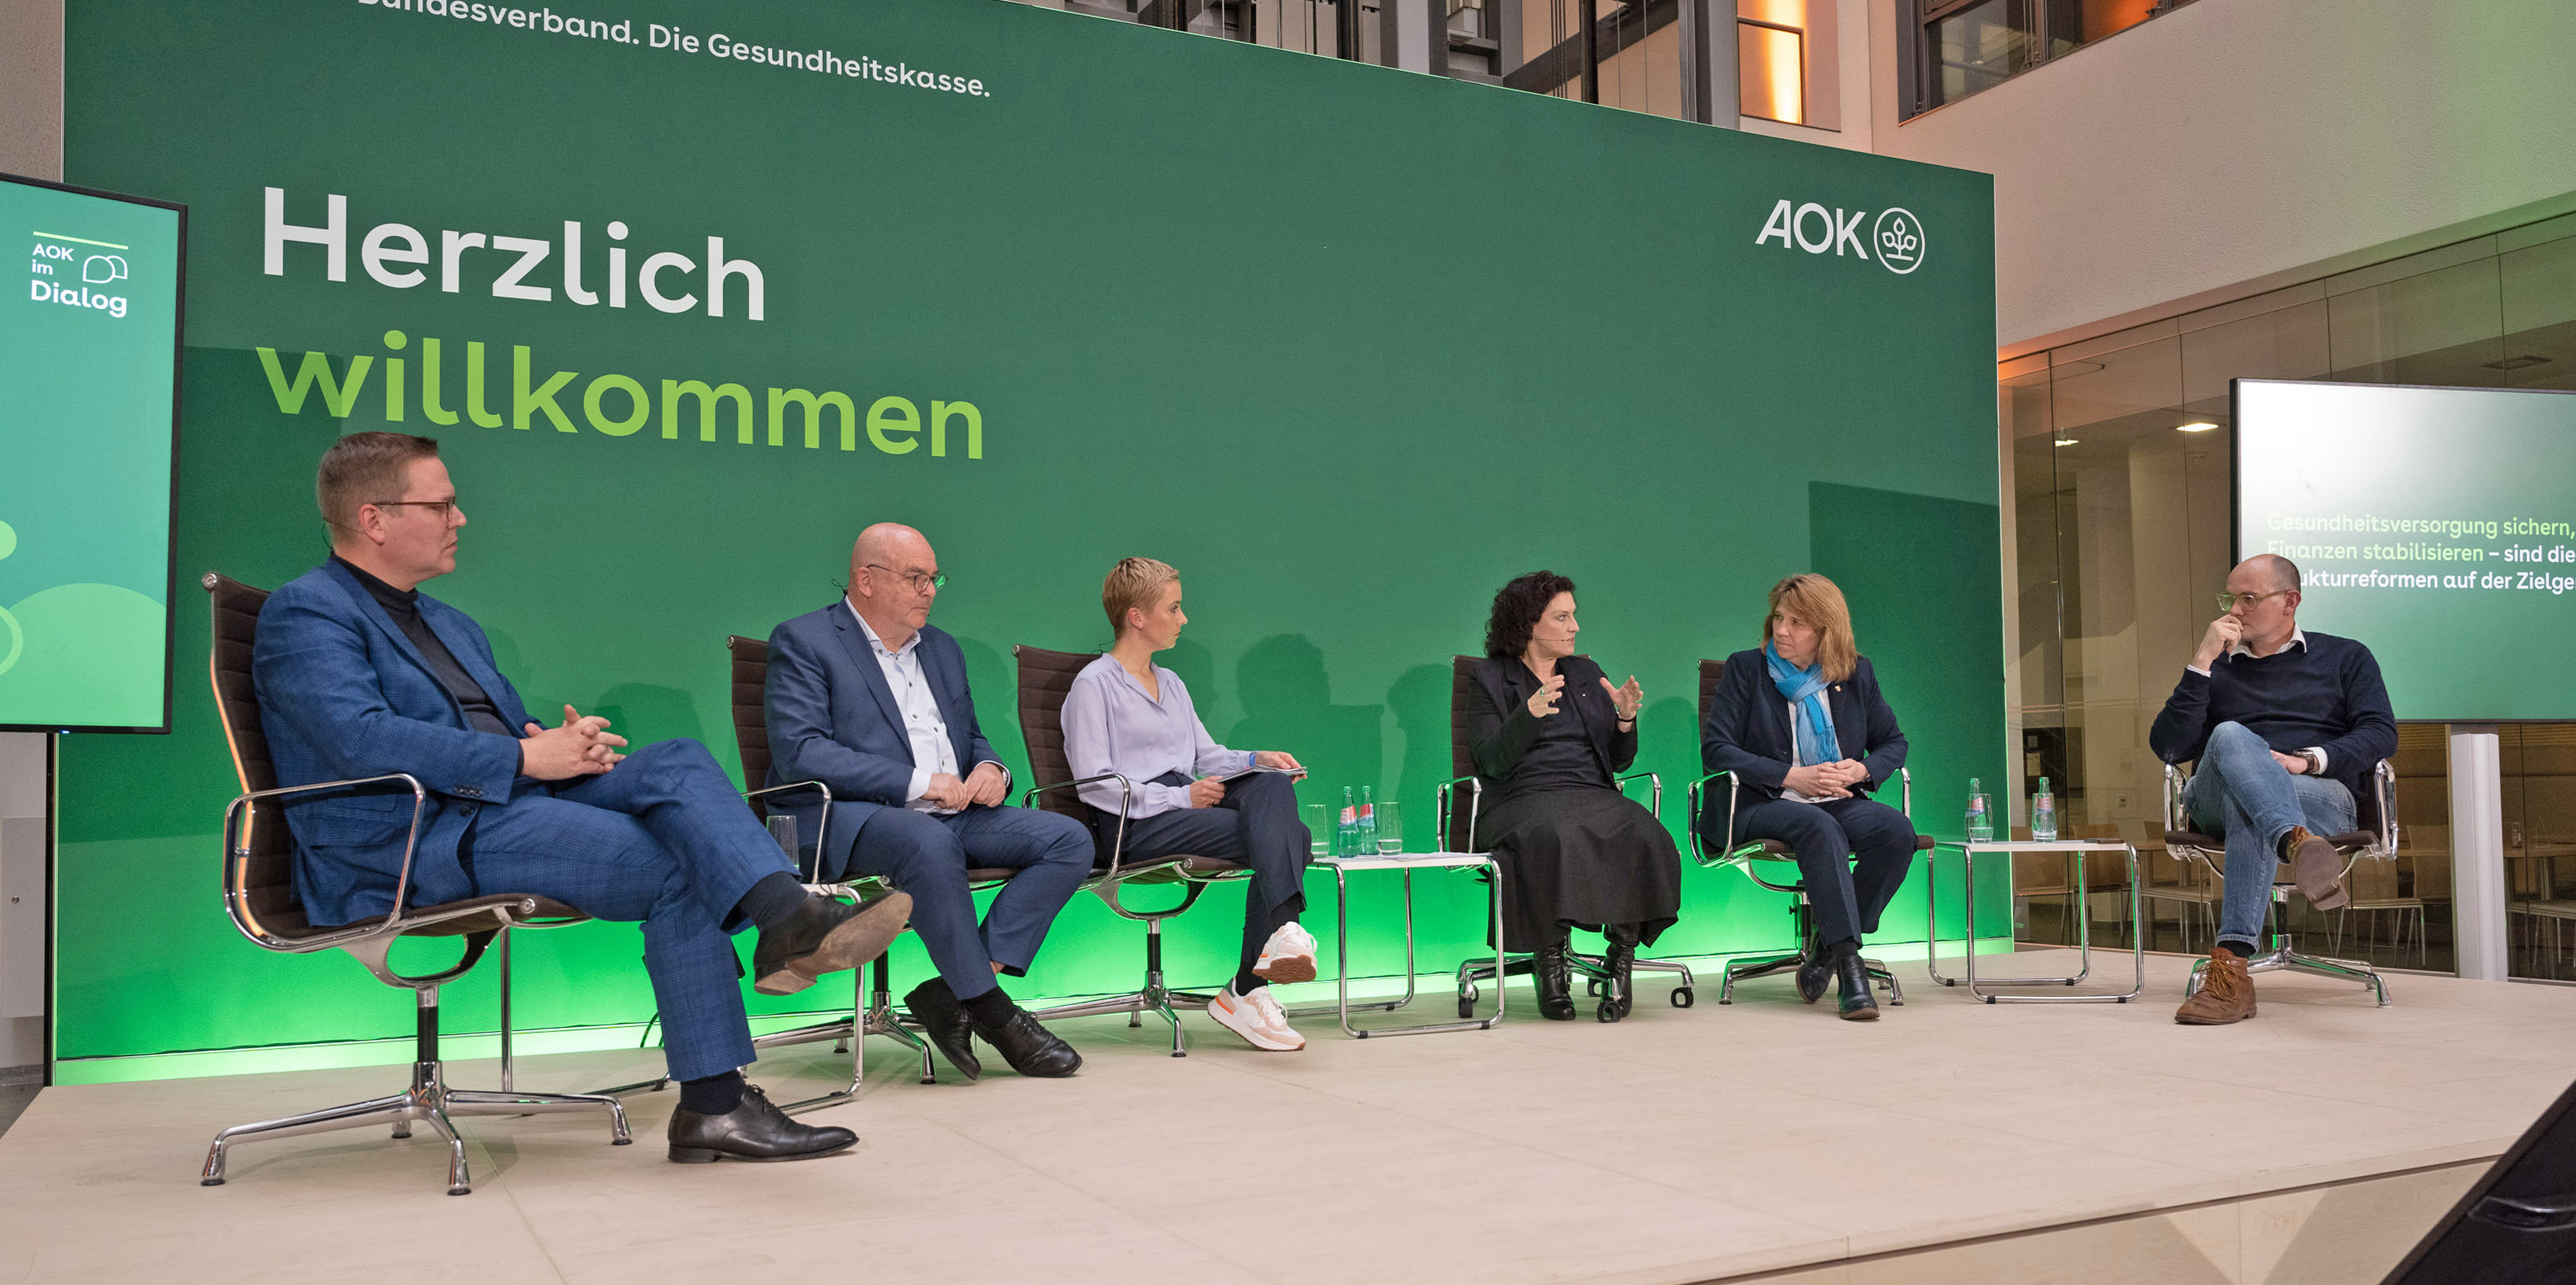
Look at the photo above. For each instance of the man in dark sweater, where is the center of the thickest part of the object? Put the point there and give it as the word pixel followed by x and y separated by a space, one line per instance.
pixel 2287 727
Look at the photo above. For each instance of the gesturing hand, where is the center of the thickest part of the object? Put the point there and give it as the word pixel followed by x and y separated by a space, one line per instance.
pixel 1543 701
pixel 986 784
pixel 1629 699
pixel 583 746
pixel 1206 792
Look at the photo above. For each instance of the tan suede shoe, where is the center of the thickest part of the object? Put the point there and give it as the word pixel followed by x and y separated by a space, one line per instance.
pixel 2317 867
pixel 2226 993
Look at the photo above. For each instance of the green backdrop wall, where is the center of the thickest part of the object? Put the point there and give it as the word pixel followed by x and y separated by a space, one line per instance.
pixel 1348 346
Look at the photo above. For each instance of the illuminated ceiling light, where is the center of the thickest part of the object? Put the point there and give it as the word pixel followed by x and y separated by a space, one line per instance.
pixel 2066 441
pixel 2197 426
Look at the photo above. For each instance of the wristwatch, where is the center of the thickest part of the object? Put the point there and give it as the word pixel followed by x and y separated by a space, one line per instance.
pixel 2316 761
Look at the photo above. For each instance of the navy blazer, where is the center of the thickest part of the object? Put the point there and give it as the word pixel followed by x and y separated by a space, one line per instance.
pixel 1747 731
pixel 342 695
pixel 833 719
pixel 1500 727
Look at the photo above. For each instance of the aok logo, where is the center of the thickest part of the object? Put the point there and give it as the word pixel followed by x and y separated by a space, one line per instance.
pixel 1896 234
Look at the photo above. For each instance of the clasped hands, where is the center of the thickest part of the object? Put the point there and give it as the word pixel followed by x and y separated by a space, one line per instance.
pixel 1628 700
pixel 985 785
pixel 1208 791
pixel 583 746
pixel 1826 780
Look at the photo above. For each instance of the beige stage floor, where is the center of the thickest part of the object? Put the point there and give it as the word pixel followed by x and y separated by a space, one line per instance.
pixel 1950 1141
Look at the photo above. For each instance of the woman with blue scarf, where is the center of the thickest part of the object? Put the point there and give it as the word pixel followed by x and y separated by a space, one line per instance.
pixel 1800 722
pixel 1549 735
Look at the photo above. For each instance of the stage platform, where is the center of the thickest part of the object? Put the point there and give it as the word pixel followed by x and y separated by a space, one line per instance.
pixel 1951 1141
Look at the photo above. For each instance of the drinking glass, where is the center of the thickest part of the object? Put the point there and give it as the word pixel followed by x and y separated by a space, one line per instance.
pixel 1319 828
pixel 1390 828
pixel 782 827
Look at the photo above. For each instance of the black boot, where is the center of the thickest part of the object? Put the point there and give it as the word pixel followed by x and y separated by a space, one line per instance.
pixel 1852 973
pixel 1815 970
pixel 753 1130
pixel 1619 991
pixel 1551 975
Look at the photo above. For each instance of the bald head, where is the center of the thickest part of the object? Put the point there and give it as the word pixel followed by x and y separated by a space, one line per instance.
pixel 892 580
pixel 2275 571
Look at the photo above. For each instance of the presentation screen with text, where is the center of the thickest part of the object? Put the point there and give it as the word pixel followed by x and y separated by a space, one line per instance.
pixel 89 353
pixel 2435 525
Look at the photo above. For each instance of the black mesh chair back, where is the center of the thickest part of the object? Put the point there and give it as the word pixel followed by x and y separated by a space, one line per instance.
pixel 1046 678
pixel 1462 756
pixel 751 711
pixel 265 880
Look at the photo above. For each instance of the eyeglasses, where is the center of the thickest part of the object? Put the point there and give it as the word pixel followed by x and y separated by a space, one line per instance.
pixel 2227 601
pixel 920 583
pixel 441 508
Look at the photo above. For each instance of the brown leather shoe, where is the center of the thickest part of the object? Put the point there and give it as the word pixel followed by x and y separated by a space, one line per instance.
pixel 2317 867
pixel 2226 993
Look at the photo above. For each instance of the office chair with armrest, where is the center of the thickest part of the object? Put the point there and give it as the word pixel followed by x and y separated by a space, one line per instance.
pixel 259 895
pixel 1748 855
pixel 1457 801
pixel 2376 840
pixel 1046 678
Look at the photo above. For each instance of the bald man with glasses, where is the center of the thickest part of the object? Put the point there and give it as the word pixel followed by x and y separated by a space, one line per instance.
pixel 869 698
pixel 2287 727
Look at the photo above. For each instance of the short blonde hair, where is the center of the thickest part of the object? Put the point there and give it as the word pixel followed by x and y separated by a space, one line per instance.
pixel 1819 602
pixel 1134 582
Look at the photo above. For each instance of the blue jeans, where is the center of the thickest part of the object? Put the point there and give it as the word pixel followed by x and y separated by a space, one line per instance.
pixel 928 856
pixel 2244 795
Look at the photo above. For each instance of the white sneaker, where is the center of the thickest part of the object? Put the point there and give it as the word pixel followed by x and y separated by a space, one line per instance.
pixel 1257 1018
pixel 1288 957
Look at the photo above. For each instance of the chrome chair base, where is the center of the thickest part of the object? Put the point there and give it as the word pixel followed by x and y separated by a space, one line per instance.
pixel 429 1100
pixel 1750 966
pixel 878 1018
pixel 2281 958
pixel 1154 998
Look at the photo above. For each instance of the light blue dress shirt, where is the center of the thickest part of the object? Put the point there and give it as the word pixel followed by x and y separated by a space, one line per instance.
pixel 1111 725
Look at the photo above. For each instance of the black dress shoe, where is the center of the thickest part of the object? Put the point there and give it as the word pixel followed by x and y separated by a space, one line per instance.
pixel 753 1130
pixel 1857 1003
pixel 825 935
pixel 1815 970
pixel 1619 991
pixel 943 1020
pixel 1552 976
pixel 1030 1047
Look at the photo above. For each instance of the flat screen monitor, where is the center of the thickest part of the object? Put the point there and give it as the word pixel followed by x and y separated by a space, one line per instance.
pixel 2435 525
pixel 89 398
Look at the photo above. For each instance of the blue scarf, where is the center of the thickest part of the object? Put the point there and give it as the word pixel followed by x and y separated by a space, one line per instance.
pixel 1805 689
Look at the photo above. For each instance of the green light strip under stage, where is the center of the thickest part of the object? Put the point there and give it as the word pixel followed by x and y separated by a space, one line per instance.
pixel 1429 988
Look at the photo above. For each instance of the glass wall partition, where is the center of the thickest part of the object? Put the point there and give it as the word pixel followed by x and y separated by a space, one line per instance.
pixel 2116 458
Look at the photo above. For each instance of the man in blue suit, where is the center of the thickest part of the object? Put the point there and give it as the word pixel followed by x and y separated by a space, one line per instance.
pixel 359 674
pixel 866 697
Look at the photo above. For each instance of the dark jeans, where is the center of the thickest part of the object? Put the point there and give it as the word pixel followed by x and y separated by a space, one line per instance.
pixel 1256 823
pixel 1853 854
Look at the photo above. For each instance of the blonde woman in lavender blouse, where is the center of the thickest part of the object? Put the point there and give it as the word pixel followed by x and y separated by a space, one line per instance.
pixel 1130 716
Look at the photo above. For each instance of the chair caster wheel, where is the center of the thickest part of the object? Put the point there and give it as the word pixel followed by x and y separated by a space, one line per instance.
pixel 1682 997
pixel 1466 1008
pixel 1606 1013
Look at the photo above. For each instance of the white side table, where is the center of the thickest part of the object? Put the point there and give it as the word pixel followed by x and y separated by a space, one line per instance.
pixel 1407 863
pixel 2074 850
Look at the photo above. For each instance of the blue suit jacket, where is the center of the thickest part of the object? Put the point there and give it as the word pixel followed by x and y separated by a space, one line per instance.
pixel 1747 729
pixel 833 719
pixel 343 694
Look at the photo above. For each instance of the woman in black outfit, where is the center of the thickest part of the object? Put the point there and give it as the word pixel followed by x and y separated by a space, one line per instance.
pixel 1549 730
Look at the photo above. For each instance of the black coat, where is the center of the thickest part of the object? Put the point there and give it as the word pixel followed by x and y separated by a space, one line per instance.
pixel 1747 729
pixel 1500 727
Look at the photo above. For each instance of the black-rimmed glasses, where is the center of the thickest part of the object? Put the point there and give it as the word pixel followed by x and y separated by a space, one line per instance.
pixel 443 508
pixel 920 583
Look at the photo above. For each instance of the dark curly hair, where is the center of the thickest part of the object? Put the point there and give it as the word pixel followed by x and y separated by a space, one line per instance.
pixel 1517 606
